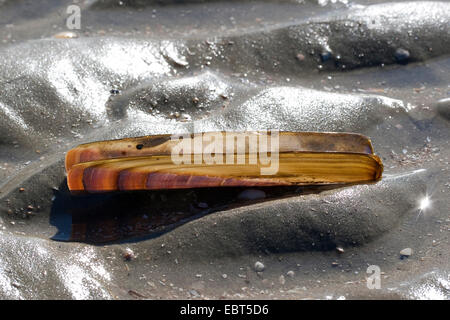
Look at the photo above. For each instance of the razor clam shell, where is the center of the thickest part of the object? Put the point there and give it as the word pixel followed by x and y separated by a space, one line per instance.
pixel 158 172
pixel 162 145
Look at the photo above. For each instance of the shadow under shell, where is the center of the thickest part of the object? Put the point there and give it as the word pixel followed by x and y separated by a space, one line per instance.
pixel 120 216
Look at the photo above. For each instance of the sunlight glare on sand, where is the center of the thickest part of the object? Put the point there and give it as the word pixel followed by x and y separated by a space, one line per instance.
pixel 425 203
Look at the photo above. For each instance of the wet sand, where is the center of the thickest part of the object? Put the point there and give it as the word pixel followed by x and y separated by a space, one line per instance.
pixel 376 68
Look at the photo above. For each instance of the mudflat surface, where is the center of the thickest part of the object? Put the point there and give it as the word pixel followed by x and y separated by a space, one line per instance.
pixel 145 67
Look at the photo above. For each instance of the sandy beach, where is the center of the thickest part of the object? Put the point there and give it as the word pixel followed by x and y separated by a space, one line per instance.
pixel 138 67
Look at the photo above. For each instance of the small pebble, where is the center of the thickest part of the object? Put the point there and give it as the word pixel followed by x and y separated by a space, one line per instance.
pixel 194 293
pixel 128 255
pixel 406 252
pixel 224 276
pixel 401 55
pixel 259 266
pixel 300 57
pixel 340 249
pixel 325 56
pixel 251 194
pixel 290 274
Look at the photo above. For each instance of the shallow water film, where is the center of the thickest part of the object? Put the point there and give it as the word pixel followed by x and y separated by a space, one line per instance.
pixel 74 72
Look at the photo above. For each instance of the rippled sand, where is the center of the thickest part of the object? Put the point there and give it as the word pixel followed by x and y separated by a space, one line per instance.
pixel 380 69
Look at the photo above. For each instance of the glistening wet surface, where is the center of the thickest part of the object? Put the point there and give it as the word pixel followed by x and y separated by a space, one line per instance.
pixel 133 216
pixel 371 67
